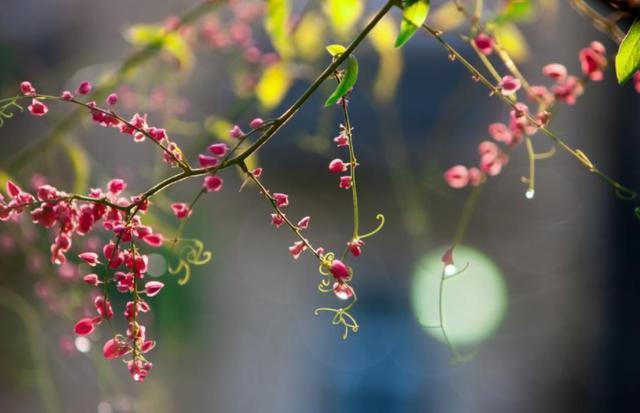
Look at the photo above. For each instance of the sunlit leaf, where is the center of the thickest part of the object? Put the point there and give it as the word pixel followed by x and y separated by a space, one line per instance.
pixel 79 163
pixel 413 16
pixel 276 23
pixel 516 11
pixel 273 85
pixel 144 35
pixel 349 78
pixel 335 49
pixel 628 57
pixel 512 40
pixel 343 14
pixel 308 37
pixel 447 16
pixel 390 67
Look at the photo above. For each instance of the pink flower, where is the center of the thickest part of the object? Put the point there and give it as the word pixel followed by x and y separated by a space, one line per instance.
pixel 38 108
pixel 484 43
pixel 154 240
pixel 84 327
pixel 219 149
pixel 338 166
pixel 486 147
pixel 27 89
pixel 116 186
pixel 256 123
pixel 457 176
pixel 341 140
pixel 103 307
pixel 152 288
pixel 257 172
pixel 207 161
pixel 84 88
pixel 297 248
pixel 491 164
pixel 339 270
pixel 90 258
pixel 476 177
pixel 555 71
pixel 112 99
pixel 569 90
pixel 115 348
pixel 355 247
pixel 181 210
pixel 66 95
pixel 277 220
pixel 345 182
pixel 303 223
pixel 212 183
pixel 593 60
pixel 282 200
pixel 509 85
pixel 342 291
pixel 636 81
pixel 501 133
pixel 236 132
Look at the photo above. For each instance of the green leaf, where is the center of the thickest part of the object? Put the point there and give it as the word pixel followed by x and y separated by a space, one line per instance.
pixel 276 22
pixel 348 80
pixel 515 11
pixel 413 16
pixel 336 49
pixel 628 57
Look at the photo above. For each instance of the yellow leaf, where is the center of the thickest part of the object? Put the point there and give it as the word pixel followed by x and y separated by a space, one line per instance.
pixel 273 85
pixel 512 40
pixel 80 165
pixel 382 38
pixel 343 15
pixel 447 17
pixel 309 36
pixel 276 23
pixel 143 35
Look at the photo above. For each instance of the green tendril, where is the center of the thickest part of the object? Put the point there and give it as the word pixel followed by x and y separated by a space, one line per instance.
pixel 191 254
pixel 380 218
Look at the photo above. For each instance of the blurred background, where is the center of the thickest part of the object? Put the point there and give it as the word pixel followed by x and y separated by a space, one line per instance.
pixel 549 307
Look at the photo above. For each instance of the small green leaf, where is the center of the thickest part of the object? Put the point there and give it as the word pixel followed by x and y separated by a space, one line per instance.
pixel 628 57
pixel 413 16
pixel 336 49
pixel 276 22
pixel 515 11
pixel 348 80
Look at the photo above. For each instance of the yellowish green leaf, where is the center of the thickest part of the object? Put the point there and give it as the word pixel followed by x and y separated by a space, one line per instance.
pixel 343 14
pixel 276 23
pixel 512 40
pixel 390 58
pixel 336 49
pixel 79 163
pixel 447 16
pixel 628 56
pixel 273 85
pixel 413 16
pixel 308 37
pixel 348 80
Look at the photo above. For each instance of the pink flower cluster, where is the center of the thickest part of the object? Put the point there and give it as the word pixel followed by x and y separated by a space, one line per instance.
pixel 339 166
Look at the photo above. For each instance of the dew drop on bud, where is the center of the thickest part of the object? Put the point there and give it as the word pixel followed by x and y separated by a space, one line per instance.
pixel 475 77
pixel 529 194
pixel 450 269
pixel 452 56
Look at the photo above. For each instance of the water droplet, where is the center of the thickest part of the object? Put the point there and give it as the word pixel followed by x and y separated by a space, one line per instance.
pixel 529 194
pixel 452 56
pixel 450 269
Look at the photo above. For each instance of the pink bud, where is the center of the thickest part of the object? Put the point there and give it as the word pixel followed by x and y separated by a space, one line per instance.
pixel 457 176
pixel 282 200
pixel 90 258
pixel 636 81
pixel 236 132
pixel 181 210
pixel 277 220
pixel 152 288
pixel 355 247
pixel 112 99
pixel 339 270
pixel 475 176
pixel 91 279
pixel 212 183
pixel 341 140
pixel 207 161
pixel 297 248
pixel 38 108
pixel 486 147
pixel 345 182
pixel 66 95
pixel 13 190
pixel 342 291
pixel 338 166
pixel 115 348
pixel 304 223
pixel 501 133
pixel 509 85
pixel 490 164
pixel 84 327
pixel 116 186
pixel 219 149
pixel 256 123
pixel 257 172
pixel 84 88
pixel 484 43
pixel 27 89
pixel 155 240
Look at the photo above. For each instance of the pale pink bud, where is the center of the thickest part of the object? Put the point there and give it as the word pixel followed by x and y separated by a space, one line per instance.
pixel 490 164
pixel 116 186
pixel 341 140
pixel 304 223
pixel 282 200
pixel 90 258
pixel 457 176
pixel 212 183
pixel 112 99
pixel 509 85
pixel 181 210
pixel 501 133
pixel 152 288
pixel 475 176
pixel 256 123
pixel 27 89
pixel 66 95
pixel 154 240
pixel 277 220
pixel 91 279
pixel 207 161
pixel 555 71
pixel 338 166
pixel 342 291
pixel 236 132
pixel 486 147
pixel 296 249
